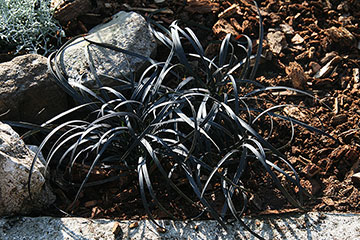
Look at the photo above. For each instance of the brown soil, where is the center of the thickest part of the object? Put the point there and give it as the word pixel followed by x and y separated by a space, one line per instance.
pixel 314 32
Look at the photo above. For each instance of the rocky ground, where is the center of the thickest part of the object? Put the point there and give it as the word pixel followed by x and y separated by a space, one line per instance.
pixel 311 45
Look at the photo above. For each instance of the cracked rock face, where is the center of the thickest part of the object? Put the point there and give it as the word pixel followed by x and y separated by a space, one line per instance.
pixel 15 162
pixel 126 30
pixel 28 92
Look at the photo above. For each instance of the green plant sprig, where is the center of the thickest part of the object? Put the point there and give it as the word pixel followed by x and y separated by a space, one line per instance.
pixel 27 24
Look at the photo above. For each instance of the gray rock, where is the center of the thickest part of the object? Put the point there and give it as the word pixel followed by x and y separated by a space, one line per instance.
pixel 286 226
pixel 127 30
pixel 27 90
pixel 15 162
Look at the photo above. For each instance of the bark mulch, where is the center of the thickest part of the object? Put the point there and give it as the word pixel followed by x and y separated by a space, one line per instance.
pixel 311 45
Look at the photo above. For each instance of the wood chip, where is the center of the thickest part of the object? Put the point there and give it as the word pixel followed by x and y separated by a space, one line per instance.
pixel 295 112
pixel 355 178
pixel 341 35
pixel 236 24
pixel 229 11
pixel 287 29
pixel 328 57
pixel 325 70
pixel 68 11
pixel 311 170
pixel 151 10
pixel 91 203
pixel 95 212
pixel 296 75
pixel 223 27
pixel 116 229
pixel 308 54
pixel 329 201
pixel 315 67
pixel 288 93
pixel 161 230
pixel 356 75
pixel 315 186
pixel 134 225
pixel 201 6
pixel 321 83
pixel 273 211
pixel 336 106
pixel 345 152
pixel 255 199
pixel 338 119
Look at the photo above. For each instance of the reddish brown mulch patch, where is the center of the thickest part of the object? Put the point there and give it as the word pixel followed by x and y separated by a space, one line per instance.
pixel 312 45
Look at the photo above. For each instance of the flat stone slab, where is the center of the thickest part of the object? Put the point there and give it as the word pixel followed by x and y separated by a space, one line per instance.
pixel 285 226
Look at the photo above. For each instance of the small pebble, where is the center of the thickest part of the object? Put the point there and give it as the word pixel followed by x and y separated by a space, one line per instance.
pixel 297 39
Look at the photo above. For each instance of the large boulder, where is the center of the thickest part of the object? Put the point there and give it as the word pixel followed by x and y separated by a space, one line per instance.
pixel 15 162
pixel 126 30
pixel 27 90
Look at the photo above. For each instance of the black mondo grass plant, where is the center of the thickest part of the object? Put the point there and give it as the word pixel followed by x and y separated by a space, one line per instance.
pixel 189 117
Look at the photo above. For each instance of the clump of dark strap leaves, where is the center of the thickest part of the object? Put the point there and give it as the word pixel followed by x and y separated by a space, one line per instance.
pixel 189 116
